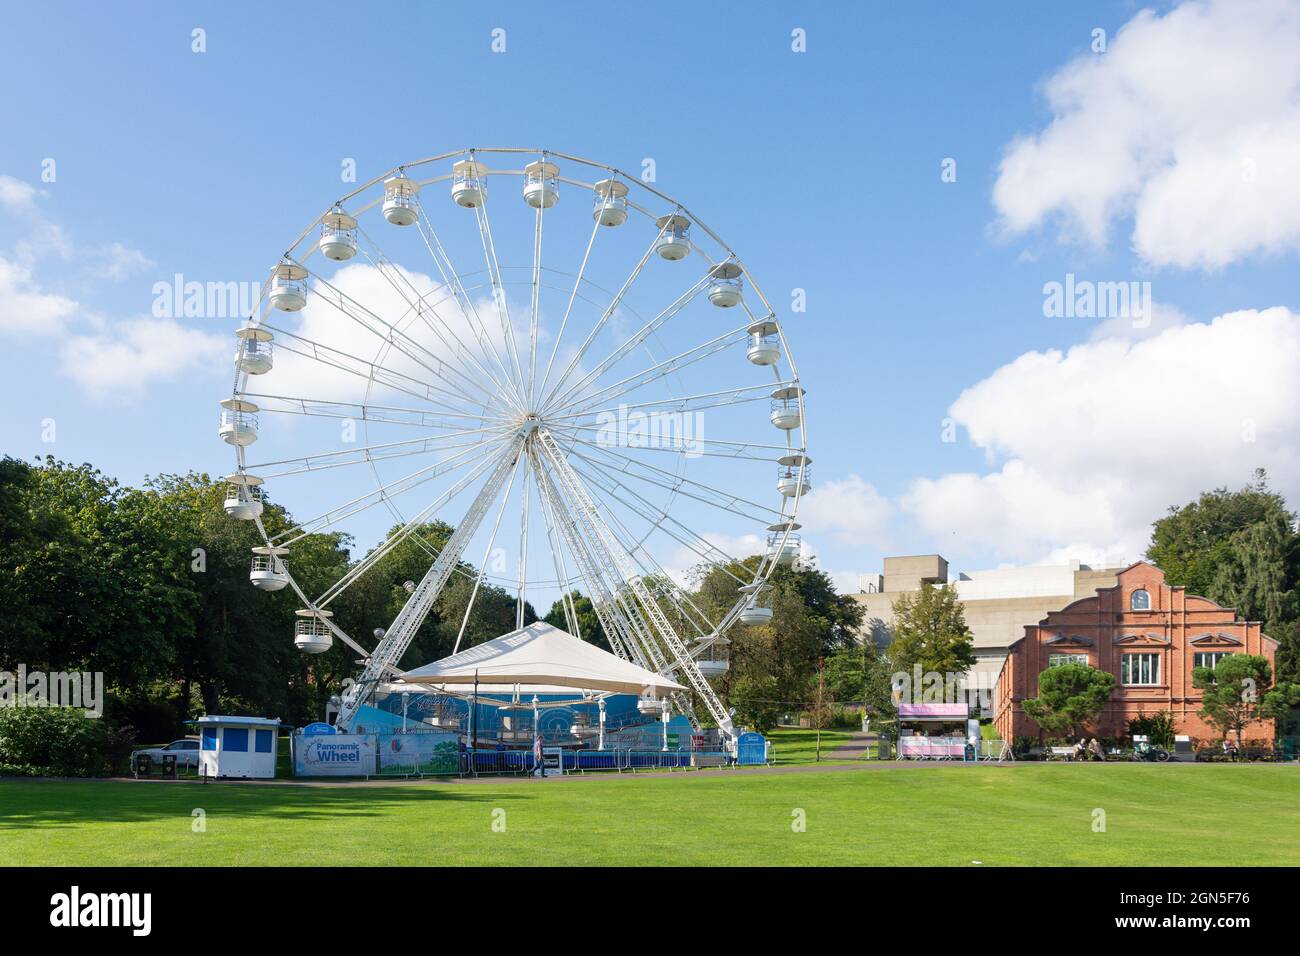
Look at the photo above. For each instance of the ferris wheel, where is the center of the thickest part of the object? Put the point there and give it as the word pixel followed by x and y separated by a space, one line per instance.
pixel 593 393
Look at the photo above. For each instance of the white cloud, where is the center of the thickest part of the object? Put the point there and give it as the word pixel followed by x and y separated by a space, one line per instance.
pixel 25 308
pixel 122 362
pixel 1091 445
pixel 850 509
pixel 16 195
pixel 119 261
pixel 1190 124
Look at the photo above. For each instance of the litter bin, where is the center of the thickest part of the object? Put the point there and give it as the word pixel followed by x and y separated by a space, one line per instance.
pixel 143 765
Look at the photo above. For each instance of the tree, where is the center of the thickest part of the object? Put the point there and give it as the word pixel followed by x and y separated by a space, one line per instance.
pixel 861 674
pixel 588 623
pixel 1191 543
pixel 1070 697
pixel 1231 692
pixel 930 629
pixel 1256 574
pixel 754 697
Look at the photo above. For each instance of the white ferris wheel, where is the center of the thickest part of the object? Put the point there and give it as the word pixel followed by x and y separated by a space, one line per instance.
pixel 593 392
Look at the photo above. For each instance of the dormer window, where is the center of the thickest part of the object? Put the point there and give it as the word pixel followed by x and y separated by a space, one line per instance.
pixel 1140 600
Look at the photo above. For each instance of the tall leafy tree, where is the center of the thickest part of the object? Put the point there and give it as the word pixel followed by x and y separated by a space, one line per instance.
pixel 588 623
pixel 1232 691
pixel 930 629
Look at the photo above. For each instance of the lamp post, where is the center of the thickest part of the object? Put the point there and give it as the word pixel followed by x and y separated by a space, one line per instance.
pixel 601 744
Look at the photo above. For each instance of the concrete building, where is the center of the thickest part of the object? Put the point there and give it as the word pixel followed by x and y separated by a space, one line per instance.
pixel 1147 633
pixel 997 604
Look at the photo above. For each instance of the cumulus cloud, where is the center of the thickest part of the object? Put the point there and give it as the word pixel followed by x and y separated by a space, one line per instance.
pixel 1090 445
pixel 120 363
pixel 849 509
pixel 1190 124
pixel 26 308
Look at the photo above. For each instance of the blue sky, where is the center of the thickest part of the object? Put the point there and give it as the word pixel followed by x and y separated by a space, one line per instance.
pixel 822 168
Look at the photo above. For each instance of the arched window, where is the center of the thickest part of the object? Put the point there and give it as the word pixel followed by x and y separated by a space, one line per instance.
pixel 1140 600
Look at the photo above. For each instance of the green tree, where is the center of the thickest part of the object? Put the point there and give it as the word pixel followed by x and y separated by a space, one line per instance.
pixel 930 629
pixel 861 674
pixel 755 701
pixel 1256 574
pixel 1070 697
pixel 1232 692
pixel 589 626
pixel 1192 542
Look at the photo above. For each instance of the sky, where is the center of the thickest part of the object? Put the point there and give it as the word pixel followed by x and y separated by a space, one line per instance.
pixel 944 186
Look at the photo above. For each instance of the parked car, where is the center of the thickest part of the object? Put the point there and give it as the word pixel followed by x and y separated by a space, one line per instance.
pixel 186 752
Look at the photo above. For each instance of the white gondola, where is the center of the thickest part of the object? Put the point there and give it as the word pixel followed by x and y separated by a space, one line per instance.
pixel 469 183
pixel 649 704
pixel 288 287
pixel 725 284
pixel 756 613
pixel 541 185
pixel 715 659
pixel 610 207
pixel 794 475
pixel 400 194
pixel 311 634
pixel 783 544
pixel 253 355
pixel 243 497
pixel 764 349
pixel 268 572
pixel 785 407
pixel 238 422
pixel 675 242
pixel 338 235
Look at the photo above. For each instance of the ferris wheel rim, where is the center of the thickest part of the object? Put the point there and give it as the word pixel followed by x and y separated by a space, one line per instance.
pixel 764 568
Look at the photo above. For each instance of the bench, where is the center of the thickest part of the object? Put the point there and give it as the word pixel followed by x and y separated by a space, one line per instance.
pixel 1060 753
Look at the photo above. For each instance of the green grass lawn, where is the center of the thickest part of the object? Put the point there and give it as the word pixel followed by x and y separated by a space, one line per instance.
pixel 800 746
pixel 1202 814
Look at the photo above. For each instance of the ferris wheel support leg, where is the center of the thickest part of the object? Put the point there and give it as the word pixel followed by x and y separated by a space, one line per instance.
pixel 685 664
pixel 399 635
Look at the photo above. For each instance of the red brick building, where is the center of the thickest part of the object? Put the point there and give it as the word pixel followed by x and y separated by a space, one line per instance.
pixel 1150 635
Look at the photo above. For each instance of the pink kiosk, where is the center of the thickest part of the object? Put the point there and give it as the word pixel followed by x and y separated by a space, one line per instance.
pixel 935 731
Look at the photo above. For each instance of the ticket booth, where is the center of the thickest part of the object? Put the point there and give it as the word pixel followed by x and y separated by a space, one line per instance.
pixel 237 747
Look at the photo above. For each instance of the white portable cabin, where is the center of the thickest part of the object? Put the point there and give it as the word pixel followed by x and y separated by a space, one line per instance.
pixel 237 747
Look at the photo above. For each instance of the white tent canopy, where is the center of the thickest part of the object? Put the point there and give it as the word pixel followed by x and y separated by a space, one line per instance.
pixel 543 656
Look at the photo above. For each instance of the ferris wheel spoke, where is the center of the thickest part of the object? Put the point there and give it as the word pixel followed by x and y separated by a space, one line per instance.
pixel 381 494
pixel 568 308
pixel 609 310
pixel 616 356
pixel 408 530
pixel 469 311
pixel 416 304
pixel 363 369
pixel 487 553
pixel 688 538
pixel 498 289
pixel 389 414
pixel 670 481
pixel 384 330
pixel 679 404
pixel 365 454
pixel 557 556
pixel 640 553
pixel 673 441
pixel 422 309
pixel 658 371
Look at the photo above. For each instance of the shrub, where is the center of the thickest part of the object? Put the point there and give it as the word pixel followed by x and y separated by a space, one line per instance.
pixel 59 741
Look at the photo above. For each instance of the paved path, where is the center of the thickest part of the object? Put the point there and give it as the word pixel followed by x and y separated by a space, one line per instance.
pixel 855 748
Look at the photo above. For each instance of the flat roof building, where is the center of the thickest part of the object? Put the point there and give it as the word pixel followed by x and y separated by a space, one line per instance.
pixel 997 603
